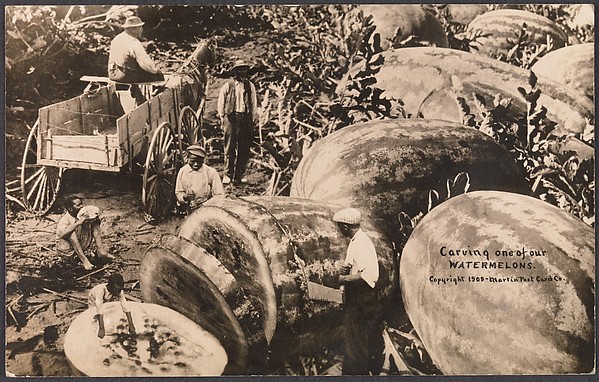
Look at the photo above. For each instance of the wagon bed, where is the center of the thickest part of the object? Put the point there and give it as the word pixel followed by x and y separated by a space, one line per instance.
pixel 92 131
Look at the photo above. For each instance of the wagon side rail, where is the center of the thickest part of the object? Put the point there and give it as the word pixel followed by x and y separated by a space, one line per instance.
pixel 81 132
pixel 135 129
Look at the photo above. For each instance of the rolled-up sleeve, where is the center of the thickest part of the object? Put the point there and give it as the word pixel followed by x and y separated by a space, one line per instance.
pixel 361 255
pixel 222 96
pixel 370 270
pixel 254 103
pixel 124 303
pixel 96 298
pixel 145 62
pixel 217 184
pixel 179 189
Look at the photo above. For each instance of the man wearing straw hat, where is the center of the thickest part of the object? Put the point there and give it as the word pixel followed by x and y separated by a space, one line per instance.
pixel 363 324
pixel 128 61
pixel 196 181
pixel 237 108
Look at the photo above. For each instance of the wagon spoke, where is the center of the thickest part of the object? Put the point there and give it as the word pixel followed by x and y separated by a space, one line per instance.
pixel 46 185
pixel 40 190
pixel 165 180
pixel 152 187
pixel 44 189
pixel 168 143
pixel 168 158
pixel 41 169
pixel 35 184
pixel 158 176
pixel 153 167
pixel 51 185
pixel 39 184
pixel 188 128
pixel 166 190
pixel 164 138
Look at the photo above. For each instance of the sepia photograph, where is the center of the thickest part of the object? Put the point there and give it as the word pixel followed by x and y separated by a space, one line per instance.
pixel 300 190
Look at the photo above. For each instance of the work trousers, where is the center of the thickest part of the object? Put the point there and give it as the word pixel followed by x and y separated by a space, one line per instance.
pixel 239 134
pixel 125 76
pixel 363 330
pixel 132 76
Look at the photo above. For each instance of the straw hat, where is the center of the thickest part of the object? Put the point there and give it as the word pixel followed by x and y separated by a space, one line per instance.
pixel 132 22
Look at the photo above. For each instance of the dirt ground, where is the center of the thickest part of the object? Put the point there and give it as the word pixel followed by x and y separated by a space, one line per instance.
pixel 46 291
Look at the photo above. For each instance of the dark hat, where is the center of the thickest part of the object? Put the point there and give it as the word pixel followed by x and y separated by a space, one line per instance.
pixel 133 21
pixel 197 150
pixel 240 64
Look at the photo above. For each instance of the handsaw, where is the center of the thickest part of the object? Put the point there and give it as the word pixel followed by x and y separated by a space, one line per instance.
pixel 318 291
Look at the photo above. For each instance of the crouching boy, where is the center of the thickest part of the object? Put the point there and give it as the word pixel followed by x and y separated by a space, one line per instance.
pixel 103 293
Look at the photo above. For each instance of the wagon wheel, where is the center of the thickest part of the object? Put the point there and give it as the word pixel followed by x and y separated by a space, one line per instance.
pixel 189 129
pixel 160 172
pixel 39 184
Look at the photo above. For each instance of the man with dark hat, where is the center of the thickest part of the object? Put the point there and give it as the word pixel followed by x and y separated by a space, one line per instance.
pixel 363 323
pixel 128 61
pixel 196 181
pixel 238 111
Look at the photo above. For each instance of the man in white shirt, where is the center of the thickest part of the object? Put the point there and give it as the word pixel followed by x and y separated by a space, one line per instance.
pixel 237 108
pixel 196 181
pixel 363 325
pixel 128 61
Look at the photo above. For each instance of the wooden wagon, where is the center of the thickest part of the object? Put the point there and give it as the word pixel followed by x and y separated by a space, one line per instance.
pixel 102 129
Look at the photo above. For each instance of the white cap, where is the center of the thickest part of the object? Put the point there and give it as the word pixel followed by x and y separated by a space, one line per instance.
pixel 348 216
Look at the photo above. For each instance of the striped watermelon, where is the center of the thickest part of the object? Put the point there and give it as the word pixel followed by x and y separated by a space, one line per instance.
pixel 397 22
pixel 441 102
pixel 531 315
pixel 384 167
pixel 498 31
pixel 573 66
pixel 411 74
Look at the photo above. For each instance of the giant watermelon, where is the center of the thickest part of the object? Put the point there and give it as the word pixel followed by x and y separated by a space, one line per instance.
pixel 397 22
pixel 573 66
pixel 412 74
pixel 384 167
pixel 508 313
pixel 497 31
pixel 234 268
